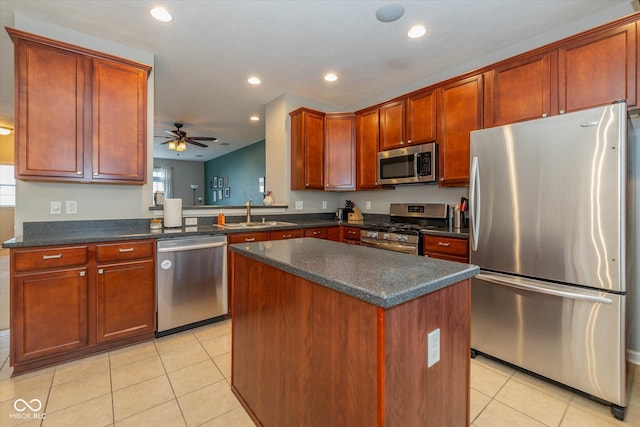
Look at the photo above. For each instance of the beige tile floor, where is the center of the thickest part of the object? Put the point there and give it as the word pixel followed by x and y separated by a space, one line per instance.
pixel 184 379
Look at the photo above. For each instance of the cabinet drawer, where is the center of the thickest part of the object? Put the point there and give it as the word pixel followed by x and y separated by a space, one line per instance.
pixel 320 232
pixel 286 234
pixel 446 245
pixel 247 237
pixel 124 251
pixel 351 233
pixel 52 257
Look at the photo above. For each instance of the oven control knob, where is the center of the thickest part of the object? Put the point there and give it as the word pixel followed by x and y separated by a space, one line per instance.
pixel 372 234
pixel 385 236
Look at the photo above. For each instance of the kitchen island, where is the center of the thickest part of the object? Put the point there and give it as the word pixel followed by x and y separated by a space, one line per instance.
pixel 328 334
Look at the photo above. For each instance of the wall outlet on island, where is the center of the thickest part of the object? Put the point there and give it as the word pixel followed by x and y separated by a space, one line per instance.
pixel 299 205
pixel 55 207
pixel 433 348
pixel 71 207
pixel 191 221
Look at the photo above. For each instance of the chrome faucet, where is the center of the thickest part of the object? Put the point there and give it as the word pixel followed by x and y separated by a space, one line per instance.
pixel 248 205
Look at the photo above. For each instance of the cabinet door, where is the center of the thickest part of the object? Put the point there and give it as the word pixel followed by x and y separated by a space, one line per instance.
pixel 350 234
pixel 421 118
pixel 367 133
pixel 318 233
pixel 49 313
pixel 392 125
pixel 119 122
pixel 51 85
pixel 126 300
pixel 340 152
pixel 598 70
pixel 449 248
pixel 518 90
pixel 460 112
pixel 307 149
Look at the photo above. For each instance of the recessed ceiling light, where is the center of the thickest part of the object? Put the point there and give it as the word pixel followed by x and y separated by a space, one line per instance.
pixel 161 14
pixel 5 131
pixel 416 32
pixel 390 12
pixel 330 77
pixel 254 118
pixel 254 80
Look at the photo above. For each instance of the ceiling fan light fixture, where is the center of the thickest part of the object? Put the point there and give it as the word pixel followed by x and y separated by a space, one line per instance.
pixel 161 14
pixel 172 145
pixel 182 146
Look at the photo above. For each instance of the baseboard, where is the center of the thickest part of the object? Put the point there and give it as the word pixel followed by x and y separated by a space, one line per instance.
pixel 633 357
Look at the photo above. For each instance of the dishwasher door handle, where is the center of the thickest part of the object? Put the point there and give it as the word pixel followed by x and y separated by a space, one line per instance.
pixel 192 247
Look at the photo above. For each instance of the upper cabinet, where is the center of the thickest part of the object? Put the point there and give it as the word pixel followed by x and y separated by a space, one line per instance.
pixel 392 125
pixel 518 90
pixel 74 107
pixel 420 123
pixel 599 69
pixel 307 149
pixel 459 112
pixel 340 151
pixel 367 136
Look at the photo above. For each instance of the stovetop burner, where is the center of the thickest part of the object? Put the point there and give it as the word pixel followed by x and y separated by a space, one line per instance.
pixel 394 228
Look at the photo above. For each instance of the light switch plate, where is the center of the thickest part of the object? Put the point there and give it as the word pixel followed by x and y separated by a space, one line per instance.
pixel 55 207
pixel 191 221
pixel 367 204
pixel 71 207
pixel 433 348
pixel 324 204
pixel 299 205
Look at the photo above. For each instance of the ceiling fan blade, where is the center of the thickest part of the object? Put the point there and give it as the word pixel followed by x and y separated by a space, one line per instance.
pixel 203 138
pixel 196 143
pixel 171 132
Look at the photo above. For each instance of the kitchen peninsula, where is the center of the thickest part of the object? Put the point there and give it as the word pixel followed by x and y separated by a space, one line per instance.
pixel 326 333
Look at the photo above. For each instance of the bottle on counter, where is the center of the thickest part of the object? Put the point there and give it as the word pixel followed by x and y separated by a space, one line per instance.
pixel 221 217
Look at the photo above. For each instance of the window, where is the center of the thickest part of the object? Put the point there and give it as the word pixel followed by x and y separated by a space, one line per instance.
pixel 7 186
pixel 162 181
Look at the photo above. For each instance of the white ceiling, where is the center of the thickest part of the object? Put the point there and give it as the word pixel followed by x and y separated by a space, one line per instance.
pixel 205 55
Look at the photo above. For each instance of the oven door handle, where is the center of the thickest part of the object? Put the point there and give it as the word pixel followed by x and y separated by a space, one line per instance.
pixel 412 250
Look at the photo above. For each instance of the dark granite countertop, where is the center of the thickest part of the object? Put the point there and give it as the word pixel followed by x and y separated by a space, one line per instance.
pixel 74 232
pixel 381 278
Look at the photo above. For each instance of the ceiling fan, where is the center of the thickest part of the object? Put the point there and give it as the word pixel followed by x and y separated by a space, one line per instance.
pixel 179 139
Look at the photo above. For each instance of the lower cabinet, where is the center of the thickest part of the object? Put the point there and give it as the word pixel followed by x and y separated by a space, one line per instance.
pixel 449 248
pixel 65 304
pixel 350 235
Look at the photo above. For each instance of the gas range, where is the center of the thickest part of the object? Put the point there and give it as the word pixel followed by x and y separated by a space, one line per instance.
pixel 402 234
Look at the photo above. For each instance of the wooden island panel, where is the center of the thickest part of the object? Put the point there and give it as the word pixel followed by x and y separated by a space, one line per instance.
pixel 304 354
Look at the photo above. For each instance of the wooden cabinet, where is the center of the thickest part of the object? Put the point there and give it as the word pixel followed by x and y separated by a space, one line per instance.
pixel 340 152
pixel 126 290
pixel 449 248
pixel 350 235
pixel 367 136
pixel 75 300
pixel 318 233
pixel 459 112
pixel 49 301
pixel 307 149
pixel 74 107
pixel 518 90
pixel 286 234
pixel 420 123
pixel 392 125
pixel 599 69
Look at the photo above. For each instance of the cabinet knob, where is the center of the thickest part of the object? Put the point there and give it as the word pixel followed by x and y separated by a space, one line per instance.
pixel 95 174
pixel 78 172
pixel 83 273
pixel 401 142
pixel 441 179
pixel 544 114
pixel 100 271
pixel 409 142
pixel 561 111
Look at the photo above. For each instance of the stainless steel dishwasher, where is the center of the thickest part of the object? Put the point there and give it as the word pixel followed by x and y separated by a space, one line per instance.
pixel 191 276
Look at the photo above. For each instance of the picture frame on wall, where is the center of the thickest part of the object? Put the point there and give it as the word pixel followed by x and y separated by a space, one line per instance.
pixel 226 181
pixel 214 196
pixel 215 181
pixel 227 192
pixel 220 181
pixel 220 194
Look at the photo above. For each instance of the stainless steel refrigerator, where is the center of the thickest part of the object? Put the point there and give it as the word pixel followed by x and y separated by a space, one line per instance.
pixel 548 230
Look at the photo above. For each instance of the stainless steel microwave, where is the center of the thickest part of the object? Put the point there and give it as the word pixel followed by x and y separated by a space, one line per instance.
pixel 411 165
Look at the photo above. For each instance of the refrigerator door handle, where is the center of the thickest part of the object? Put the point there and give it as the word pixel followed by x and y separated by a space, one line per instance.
pixel 532 285
pixel 474 202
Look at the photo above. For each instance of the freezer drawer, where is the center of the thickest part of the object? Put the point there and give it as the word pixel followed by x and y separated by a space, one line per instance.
pixel 571 335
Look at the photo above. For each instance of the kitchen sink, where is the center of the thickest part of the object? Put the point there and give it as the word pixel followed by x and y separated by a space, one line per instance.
pixel 259 224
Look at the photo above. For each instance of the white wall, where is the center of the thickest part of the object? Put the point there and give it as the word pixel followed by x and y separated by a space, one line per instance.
pixel 94 201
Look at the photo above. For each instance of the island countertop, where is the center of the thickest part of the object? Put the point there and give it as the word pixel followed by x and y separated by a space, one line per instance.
pixel 379 277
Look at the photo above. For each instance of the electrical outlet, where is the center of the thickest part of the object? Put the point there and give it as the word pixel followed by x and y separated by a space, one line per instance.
pixel 71 207
pixel 367 204
pixel 324 204
pixel 433 348
pixel 299 205
pixel 55 208
pixel 191 221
